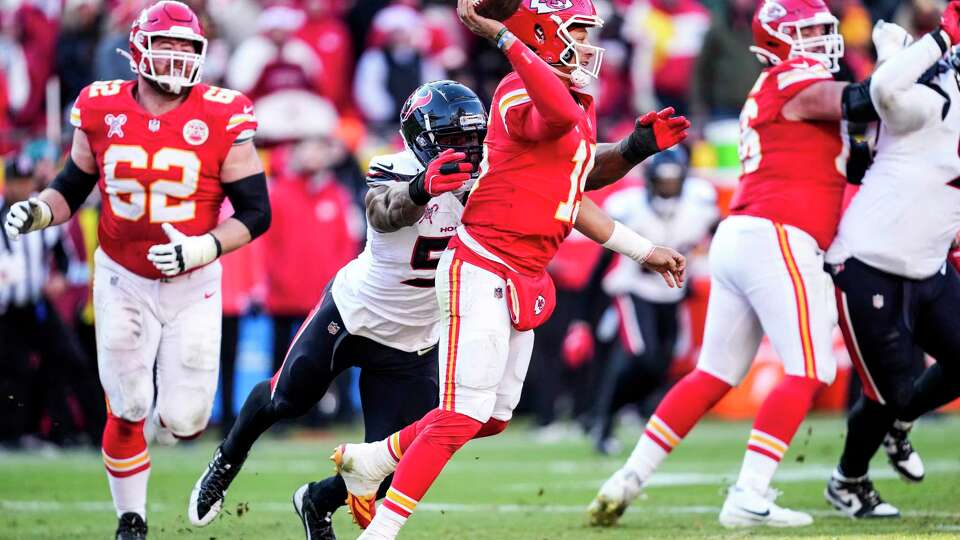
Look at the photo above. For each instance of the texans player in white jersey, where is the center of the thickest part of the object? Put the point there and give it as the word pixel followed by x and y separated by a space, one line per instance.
pixel 895 290
pixel 380 312
pixel 674 210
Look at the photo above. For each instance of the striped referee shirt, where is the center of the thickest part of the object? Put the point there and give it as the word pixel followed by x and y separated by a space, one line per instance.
pixel 24 264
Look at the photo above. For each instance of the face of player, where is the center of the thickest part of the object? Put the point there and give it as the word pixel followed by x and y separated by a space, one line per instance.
pixel 468 142
pixel 163 64
pixel 581 37
pixel 808 32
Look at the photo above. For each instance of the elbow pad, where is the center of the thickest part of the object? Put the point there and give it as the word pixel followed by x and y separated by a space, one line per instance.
pixel 856 104
pixel 74 184
pixel 251 202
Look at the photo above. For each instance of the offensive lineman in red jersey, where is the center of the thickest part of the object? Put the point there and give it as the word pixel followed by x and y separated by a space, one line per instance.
pixel 766 263
pixel 164 150
pixel 540 154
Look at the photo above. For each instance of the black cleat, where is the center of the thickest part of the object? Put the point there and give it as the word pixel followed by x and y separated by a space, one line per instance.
pixel 208 493
pixel 131 527
pixel 903 458
pixel 317 525
pixel 857 498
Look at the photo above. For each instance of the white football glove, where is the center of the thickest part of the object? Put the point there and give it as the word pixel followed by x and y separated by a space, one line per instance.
pixel 27 216
pixel 889 39
pixel 183 252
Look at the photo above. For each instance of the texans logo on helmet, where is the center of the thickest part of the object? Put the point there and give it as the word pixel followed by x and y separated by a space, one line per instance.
pixel 420 99
pixel 550 6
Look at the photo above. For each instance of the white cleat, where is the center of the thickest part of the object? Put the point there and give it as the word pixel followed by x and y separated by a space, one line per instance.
pixel 746 508
pixel 614 497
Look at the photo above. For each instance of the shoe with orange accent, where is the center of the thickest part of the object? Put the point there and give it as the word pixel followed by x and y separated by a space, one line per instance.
pixel 362 509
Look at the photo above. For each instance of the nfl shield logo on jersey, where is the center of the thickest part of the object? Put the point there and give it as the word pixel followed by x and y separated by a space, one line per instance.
pixel 878 301
pixel 153 125
pixel 195 132
pixel 333 328
pixel 539 304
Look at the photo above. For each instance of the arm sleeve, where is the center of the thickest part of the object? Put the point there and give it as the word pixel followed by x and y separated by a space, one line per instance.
pixel 251 203
pixel 902 104
pixel 551 112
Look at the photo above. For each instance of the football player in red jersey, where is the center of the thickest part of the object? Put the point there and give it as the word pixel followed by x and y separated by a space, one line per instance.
pixel 539 155
pixel 766 263
pixel 164 150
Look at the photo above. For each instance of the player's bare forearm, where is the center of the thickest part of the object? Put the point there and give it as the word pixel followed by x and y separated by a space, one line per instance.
pixel 608 167
pixel 820 101
pixel 59 208
pixel 231 234
pixel 390 208
pixel 593 222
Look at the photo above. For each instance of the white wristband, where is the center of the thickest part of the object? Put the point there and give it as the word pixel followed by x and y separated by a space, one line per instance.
pixel 627 242
pixel 42 219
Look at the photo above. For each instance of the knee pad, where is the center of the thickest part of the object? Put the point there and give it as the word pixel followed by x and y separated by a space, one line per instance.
pixel 450 430
pixel 136 396
pixel 186 413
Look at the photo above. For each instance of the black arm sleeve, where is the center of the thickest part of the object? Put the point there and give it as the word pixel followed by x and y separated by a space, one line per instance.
pixel 856 104
pixel 74 184
pixel 251 202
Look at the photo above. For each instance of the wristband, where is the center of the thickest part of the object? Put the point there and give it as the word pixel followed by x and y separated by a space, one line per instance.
pixel 625 241
pixel 417 191
pixel 216 241
pixel 504 38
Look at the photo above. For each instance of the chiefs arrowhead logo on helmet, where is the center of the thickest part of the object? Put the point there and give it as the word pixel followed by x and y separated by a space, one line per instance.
pixel 550 6
pixel 785 29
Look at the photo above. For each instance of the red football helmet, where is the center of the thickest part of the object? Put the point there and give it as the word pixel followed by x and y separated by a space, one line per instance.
pixel 544 26
pixel 778 32
pixel 168 19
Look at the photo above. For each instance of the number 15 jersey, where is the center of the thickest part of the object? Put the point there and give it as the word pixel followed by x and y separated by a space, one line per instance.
pixel 528 195
pixel 158 169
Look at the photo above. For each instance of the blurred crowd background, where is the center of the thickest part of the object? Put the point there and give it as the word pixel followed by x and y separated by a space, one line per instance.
pixel 327 78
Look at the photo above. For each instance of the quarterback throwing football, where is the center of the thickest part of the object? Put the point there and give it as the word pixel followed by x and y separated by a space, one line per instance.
pixel 492 287
pixel 164 151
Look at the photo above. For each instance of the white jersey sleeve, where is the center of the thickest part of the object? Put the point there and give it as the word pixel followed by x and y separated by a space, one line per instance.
pixel 902 103
pixel 387 293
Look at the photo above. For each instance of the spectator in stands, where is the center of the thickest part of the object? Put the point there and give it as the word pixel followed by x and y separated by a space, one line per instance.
pixel 108 64
pixel 76 45
pixel 390 70
pixel 725 69
pixel 326 33
pixel 36 34
pixel 668 36
pixel 315 231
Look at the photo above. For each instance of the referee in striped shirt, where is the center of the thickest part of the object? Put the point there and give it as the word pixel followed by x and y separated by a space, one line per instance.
pixel 30 329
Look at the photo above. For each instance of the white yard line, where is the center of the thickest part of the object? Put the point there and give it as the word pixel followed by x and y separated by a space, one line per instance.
pixel 278 507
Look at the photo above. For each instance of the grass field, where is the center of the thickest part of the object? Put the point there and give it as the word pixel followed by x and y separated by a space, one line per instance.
pixel 508 487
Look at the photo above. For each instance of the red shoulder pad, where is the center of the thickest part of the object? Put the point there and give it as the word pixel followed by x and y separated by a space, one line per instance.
pixel 234 109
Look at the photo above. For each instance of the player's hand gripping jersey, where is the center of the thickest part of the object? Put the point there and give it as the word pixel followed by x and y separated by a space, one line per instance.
pixel 158 169
pixel 532 177
pixel 793 172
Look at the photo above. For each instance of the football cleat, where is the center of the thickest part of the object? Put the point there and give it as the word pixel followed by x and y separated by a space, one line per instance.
pixel 131 527
pixel 614 497
pixel 747 508
pixel 903 458
pixel 317 525
pixel 357 465
pixel 206 499
pixel 857 498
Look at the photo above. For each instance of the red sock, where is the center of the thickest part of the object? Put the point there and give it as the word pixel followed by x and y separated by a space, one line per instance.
pixel 683 406
pixel 438 439
pixel 124 447
pixel 778 420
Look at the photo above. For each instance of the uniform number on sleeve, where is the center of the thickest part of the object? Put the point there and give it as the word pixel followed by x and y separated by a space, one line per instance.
pixel 582 165
pixel 220 95
pixel 426 256
pixel 104 88
pixel 128 197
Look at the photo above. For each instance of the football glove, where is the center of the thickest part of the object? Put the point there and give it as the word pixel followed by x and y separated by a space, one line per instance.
pixel 183 252
pixel 653 132
pixel 27 216
pixel 950 22
pixel 445 173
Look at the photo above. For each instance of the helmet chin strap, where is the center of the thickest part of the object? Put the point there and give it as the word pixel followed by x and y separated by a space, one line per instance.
pixel 579 78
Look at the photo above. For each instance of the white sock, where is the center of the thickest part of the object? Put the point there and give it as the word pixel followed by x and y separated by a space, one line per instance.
pixel 130 493
pixel 757 472
pixel 645 458
pixel 385 525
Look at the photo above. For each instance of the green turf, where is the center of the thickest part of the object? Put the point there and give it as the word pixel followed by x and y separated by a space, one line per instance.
pixel 508 487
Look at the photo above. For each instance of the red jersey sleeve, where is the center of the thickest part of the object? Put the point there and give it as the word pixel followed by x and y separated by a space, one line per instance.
pixel 784 81
pixel 92 97
pixel 241 123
